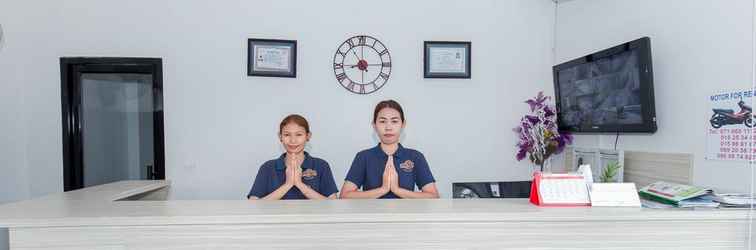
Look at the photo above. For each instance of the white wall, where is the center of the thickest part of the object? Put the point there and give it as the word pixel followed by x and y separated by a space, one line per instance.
pixel 698 47
pixel 220 125
pixel 14 184
pixel 13 180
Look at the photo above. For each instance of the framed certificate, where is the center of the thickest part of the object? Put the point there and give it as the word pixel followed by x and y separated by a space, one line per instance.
pixel 270 57
pixel 442 59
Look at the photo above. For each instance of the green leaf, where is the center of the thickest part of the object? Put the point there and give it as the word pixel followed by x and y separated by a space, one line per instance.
pixel 610 171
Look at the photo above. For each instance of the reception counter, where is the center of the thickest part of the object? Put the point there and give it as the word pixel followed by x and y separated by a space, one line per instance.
pixel 126 215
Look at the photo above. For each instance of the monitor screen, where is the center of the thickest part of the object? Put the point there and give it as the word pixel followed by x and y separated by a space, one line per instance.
pixel 602 92
pixel 607 91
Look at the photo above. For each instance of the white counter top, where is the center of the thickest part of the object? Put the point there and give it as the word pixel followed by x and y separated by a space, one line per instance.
pixel 98 211
pixel 100 206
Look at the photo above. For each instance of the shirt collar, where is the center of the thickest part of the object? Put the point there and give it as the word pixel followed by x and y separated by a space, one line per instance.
pixel 281 162
pixel 400 151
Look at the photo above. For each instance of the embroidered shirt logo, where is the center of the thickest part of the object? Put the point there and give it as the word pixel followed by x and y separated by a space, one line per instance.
pixel 309 174
pixel 407 166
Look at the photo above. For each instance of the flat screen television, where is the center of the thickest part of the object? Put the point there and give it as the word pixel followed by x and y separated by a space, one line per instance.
pixel 608 91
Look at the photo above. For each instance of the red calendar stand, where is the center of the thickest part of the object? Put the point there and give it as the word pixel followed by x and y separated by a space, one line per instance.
pixel 535 195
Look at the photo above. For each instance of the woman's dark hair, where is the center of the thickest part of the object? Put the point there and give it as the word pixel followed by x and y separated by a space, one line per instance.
pixel 388 104
pixel 296 119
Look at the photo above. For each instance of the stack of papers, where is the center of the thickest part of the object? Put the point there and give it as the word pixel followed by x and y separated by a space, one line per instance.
pixel 700 201
pixel 734 200
pixel 652 204
pixel 677 195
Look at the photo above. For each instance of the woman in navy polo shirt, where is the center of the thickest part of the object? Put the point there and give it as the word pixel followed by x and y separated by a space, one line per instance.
pixel 389 170
pixel 295 174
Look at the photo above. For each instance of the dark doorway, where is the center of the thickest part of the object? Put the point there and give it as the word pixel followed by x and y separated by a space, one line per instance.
pixel 112 110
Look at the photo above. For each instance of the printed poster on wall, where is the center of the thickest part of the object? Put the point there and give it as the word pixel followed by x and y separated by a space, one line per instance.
pixel 730 132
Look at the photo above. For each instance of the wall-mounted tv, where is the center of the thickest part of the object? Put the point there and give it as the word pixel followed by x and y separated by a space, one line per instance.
pixel 608 91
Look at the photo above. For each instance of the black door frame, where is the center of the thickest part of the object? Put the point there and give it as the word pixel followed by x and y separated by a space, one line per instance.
pixel 70 93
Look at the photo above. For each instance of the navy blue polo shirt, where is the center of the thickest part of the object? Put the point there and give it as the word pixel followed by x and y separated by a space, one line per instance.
pixel 272 174
pixel 368 165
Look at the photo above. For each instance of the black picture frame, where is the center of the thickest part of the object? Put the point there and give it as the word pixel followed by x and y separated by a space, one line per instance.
pixel 430 73
pixel 253 69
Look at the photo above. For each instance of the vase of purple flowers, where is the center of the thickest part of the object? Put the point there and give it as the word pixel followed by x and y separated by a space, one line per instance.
pixel 538 134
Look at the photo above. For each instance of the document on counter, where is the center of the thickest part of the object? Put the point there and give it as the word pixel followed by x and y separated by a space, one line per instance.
pixel 614 195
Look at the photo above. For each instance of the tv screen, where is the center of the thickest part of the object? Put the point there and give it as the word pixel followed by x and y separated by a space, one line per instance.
pixel 607 91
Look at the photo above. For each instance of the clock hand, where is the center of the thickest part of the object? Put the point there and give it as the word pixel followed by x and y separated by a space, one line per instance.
pixel 361 65
pixel 355 55
pixel 355 66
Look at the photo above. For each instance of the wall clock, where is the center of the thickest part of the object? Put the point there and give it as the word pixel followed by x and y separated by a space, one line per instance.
pixel 362 64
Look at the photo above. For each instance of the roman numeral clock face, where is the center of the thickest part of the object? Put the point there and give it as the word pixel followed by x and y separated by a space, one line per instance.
pixel 362 64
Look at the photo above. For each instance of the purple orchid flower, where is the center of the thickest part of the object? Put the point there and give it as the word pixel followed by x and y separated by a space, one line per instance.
pixel 541 119
pixel 548 112
pixel 521 154
pixel 537 102
pixel 532 119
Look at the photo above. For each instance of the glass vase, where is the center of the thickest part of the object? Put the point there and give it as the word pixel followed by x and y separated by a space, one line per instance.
pixel 544 166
